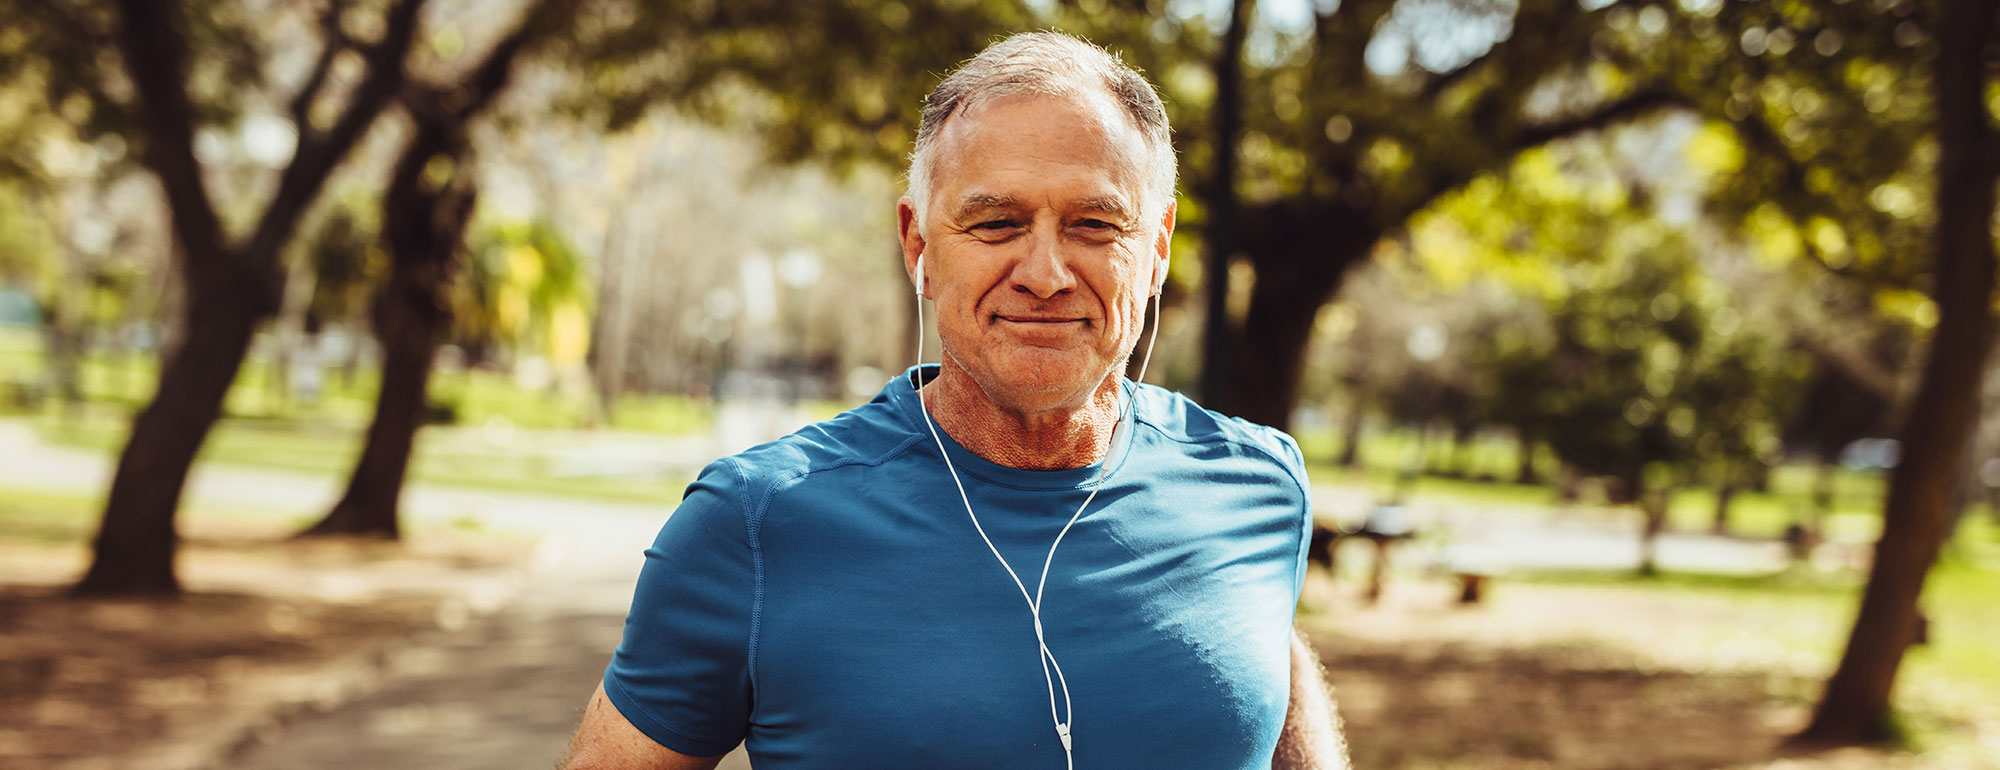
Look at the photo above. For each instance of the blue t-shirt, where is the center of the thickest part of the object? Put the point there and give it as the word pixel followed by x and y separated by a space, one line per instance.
pixel 825 598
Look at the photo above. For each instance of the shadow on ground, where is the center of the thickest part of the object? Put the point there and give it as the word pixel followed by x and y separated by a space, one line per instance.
pixel 1428 705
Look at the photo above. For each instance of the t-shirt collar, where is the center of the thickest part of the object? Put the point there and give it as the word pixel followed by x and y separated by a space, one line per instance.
pixel 902 392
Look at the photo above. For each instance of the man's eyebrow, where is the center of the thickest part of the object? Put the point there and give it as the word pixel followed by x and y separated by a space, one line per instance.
pixel 1114 206
pixel 975 203
pixel 982 201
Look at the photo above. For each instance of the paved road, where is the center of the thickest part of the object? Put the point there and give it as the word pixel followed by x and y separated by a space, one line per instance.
pixel 505 691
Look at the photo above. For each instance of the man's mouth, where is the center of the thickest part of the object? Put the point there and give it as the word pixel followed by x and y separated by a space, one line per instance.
pixel 1046 320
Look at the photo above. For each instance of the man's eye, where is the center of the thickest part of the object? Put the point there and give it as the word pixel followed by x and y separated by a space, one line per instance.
pixel 997 224
pixel 1097 229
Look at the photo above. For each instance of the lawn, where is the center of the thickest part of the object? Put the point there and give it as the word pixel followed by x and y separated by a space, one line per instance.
pixel 124 381
pixel 1792 625
pixel 1854 516
pixel 495 456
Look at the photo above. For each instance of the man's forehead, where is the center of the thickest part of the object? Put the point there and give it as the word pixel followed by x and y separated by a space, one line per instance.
pixel 1085 133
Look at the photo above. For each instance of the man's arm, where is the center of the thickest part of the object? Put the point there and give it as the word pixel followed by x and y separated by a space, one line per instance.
pixel 608 741
pixel 1311 739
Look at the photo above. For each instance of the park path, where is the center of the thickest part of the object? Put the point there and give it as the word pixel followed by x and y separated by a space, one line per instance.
pixel 503 690
pixel 506 689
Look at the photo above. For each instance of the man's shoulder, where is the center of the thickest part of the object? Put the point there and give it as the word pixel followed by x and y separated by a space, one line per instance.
pixel 867 435
pixel 1181 419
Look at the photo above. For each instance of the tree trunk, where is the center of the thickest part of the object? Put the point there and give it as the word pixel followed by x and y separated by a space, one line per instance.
pixel 1217 236
pixel 62 341
pixel 1461 451
pixel 423 227
pixel 409 334
pixel 133 553
pixel 1945 408
pixel 64 330
pixel 229 288
pixel 1299 268
pixel 430 197
pixel 1653 507
pixel 1524 471
pixel 1825 476
pixel 611 327
pixel 1725 496
pixel 1350 432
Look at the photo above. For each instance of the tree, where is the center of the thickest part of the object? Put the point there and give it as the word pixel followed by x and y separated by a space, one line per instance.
pixel 1938 426
pixel 1349 145
pixel 1864 136
pixel 231 281
pixel 430 194
pixel 1217 244
pixel 430 198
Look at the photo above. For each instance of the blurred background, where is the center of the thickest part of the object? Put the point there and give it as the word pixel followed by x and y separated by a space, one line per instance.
pixel 351 351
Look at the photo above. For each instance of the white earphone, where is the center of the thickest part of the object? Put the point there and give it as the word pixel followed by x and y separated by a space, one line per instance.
pixel 1052 674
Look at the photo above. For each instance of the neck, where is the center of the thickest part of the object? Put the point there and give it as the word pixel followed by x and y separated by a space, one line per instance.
pixel 1068 436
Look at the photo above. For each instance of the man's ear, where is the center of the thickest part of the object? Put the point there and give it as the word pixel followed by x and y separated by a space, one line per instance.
pixel 912 238
pixel 1163 248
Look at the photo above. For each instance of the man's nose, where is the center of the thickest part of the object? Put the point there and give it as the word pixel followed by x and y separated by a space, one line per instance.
pixel 1042 271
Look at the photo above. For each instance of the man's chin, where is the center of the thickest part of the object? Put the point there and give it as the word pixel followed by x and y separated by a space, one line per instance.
pixel 1046 378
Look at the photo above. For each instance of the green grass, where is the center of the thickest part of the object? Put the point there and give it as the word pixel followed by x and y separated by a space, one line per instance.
pixel 504 440
pixel 1855 514
pixel 63 517
pixel 125 381
pixel 1797 623
pixel 46 517
pixel 508 460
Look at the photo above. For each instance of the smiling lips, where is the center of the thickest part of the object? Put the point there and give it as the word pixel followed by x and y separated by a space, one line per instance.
pixel 1042 329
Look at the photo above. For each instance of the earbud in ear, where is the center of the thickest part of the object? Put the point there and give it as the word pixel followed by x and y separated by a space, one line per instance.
pixel 920 274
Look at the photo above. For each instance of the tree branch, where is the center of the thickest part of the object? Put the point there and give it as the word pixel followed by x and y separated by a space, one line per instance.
pixel 548 18
pixel 1878 279
pixel 1626 107
pixel 1505 50
pixel 318 154
pixel 1340 40
pixel 70 24
pixel 1445 80
pixel 154 50
pixel 336 41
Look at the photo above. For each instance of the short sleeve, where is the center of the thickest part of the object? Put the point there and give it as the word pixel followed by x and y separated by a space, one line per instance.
pixel 682 673
pixel 1297 461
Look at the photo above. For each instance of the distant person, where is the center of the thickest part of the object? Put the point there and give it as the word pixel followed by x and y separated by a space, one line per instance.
pixel 1016 558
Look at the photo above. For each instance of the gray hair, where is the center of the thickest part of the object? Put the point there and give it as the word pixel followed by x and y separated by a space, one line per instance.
pixel 1048 64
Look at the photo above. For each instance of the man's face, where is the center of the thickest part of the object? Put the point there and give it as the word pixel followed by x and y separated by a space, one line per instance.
pixel 1037 248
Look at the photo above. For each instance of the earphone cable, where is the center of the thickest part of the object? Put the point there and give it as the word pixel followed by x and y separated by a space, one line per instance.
pixel 1128 410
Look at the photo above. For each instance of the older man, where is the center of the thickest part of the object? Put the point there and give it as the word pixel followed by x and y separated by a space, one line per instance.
pixel 1015 558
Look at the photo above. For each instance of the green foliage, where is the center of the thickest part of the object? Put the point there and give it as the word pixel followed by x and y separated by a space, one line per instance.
pixel 836 82
pixel 27 248
pixel 1829 108
pixel 342 255
pixel 524 288
pixel 60 72
pixel 1620 350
